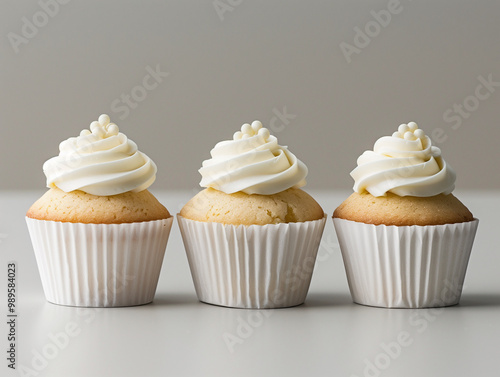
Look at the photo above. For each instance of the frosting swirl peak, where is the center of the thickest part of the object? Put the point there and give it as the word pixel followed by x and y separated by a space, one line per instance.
pixel 253 163
pixel 405 164
pixel 101 161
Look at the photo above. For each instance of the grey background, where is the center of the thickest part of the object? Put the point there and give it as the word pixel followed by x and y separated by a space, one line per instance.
pixel 253 60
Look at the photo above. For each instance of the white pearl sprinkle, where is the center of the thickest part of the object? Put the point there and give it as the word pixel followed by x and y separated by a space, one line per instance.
pixel 85 133
pixel 419 133
pixel 99 132
pixel 112 129
pixel 103 119
pixel 237 135
pixel 246 129
pixel 412 126
pixel 256 126
pixel 264 133
pixel 403 128
pixel 409 135
pixel 397 134
pixel 94 125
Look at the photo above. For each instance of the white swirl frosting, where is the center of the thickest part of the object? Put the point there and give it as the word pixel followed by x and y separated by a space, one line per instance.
pixel 405 164
pixel 102 161
pixel 252 163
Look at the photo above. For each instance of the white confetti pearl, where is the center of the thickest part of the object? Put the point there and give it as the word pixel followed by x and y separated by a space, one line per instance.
pixel 397 134
pixel 403 128
pixel 419 133
pixel 85 133
pixel 246 129
pixel 99 132
pixel 412 126
pixel 94 125
pixel 256 126
pixel 409 135
pixel 237 135
pixel 113 129
pixel 103 119
pixel 264 133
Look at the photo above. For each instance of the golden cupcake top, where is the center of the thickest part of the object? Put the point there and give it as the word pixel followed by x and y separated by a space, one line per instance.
pixel 80 207
pixel 292 205
pixel 393 209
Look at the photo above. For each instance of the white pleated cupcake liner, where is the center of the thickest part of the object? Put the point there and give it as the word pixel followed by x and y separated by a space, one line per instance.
pixel 256 266
pixel 405 266
pixel 99 265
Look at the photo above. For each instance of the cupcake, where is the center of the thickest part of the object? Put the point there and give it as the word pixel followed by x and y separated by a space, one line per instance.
pixel 98 234
pixel 252 235
pixel 405 238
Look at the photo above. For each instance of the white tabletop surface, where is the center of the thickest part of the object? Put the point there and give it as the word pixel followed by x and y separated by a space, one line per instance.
pixel 327 336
